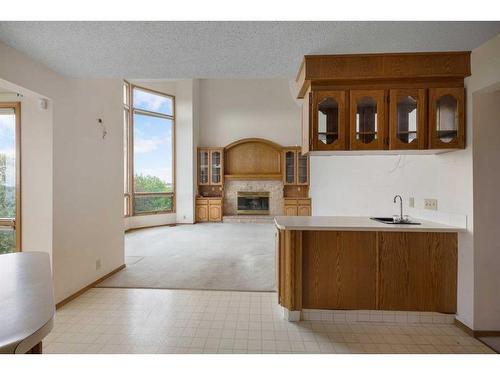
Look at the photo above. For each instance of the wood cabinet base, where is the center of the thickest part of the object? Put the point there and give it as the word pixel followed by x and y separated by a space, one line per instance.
pixel 402 271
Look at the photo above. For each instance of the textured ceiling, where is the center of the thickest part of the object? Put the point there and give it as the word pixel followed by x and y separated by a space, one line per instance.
pixel 223 49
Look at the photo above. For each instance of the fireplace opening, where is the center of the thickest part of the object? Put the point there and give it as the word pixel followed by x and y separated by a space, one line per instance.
pixel 253 203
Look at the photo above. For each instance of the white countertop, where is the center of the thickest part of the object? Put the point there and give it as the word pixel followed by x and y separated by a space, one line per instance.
pixel 357 223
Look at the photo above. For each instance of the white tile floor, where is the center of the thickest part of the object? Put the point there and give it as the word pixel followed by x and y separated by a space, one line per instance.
pixel 186 321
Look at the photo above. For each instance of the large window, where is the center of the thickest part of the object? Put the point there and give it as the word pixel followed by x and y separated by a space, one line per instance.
pixel 10 224
pixel 149 120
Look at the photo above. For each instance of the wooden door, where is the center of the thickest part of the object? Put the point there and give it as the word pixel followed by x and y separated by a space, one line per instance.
pixel 368 120
pixel 201 212
pixel 289 167
pixel 291 210
pixel 215 212
pixel 418 271
pixel 329 120
pixel 203 166
pixel 446 118
pixel 407 119
pixel 339 270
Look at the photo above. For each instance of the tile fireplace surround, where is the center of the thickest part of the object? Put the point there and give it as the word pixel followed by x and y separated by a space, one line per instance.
pixel 275 189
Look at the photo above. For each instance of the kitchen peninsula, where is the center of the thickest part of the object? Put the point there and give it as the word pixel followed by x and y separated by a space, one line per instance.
pixel 355 263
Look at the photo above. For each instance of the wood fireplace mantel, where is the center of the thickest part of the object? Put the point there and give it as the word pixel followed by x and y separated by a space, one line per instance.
pixel 253 159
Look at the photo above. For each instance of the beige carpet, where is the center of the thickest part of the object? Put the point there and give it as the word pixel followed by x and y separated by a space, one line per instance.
pixel 215 256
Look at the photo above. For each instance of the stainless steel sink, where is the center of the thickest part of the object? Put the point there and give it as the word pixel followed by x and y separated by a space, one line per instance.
pixel 389 220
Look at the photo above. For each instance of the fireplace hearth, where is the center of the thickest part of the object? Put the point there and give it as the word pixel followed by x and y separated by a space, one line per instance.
pixel 252 203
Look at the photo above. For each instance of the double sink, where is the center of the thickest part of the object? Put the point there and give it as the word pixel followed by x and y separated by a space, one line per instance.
pixel 390 220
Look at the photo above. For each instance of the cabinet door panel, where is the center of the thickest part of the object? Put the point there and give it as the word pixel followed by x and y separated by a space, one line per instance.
pixel 339 270
pixel 368 120
pixel 291 210
pixel 302 169
pixel 446 118
pixel 203 167
pixel 407 119
pixel 290 167
pixel 201 213
pixel 215 212
pixel 216 167
pixel 418 271
pixel 329 120
pixel 304 211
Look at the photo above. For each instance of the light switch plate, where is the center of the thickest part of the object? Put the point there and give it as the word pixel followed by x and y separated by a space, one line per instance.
pixel 431 204
pixel 411 203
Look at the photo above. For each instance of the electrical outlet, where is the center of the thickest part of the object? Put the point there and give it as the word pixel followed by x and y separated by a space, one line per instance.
pixel 98 264
pixel 411 203
pixel 431 204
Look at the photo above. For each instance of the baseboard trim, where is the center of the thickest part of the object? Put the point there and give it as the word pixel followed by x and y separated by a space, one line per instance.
pixel 475 333
pixel 90 286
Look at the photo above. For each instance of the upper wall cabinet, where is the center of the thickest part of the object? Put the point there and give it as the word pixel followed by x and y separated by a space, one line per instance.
pixel 296 167
pixel 396 102
pixel 407 119
pixel 446 118
pixel 329 120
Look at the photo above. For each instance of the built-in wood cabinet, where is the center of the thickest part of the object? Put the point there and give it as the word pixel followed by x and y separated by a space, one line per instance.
pixel 297 206
pixel 377 102
pixel 210 166
pixel 446 118
pixel 208 209
pixel 295 167
pixel 353 270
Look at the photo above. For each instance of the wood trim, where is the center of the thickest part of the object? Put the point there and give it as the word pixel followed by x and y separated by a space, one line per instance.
pixel 247 140
pixel 16 106
pixel 86 288
pixel 381 66
pixel 153 226
pixel 475 333
pixel 271 176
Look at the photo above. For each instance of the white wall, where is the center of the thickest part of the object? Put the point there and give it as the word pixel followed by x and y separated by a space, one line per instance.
pixel 87 174
pixel 231 109
pixel 36 172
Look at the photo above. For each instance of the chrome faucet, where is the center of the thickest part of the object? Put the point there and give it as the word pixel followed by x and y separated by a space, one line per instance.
pixel 400 206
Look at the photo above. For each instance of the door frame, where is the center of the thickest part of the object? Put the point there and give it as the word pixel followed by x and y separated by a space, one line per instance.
pixel 16 223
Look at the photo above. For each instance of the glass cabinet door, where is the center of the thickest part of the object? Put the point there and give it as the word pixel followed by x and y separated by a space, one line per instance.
pixel 367 119
pixel 290 167
pixel 406 119
pixel 329 120
pixel 302 169
pixel 446 118
pixel 216 167
pixel 203 166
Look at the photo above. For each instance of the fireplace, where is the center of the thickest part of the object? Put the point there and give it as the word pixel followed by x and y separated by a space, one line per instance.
pixel 253 203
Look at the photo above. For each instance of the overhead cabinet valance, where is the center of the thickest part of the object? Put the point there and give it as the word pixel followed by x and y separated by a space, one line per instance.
pixel 383 102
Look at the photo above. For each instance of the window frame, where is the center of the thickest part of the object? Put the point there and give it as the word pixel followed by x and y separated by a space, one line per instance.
pixel 16 222
pixel 131 193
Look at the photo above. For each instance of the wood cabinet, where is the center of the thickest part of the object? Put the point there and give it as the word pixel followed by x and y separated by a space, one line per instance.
pixel 446 118
pixel 210 166
pixel 378 102
pixel 295 167
pixel 407 119
pixel 297 207
pixel 401 271
pixel 208 209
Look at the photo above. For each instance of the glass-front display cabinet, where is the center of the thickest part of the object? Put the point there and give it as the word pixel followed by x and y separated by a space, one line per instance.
pixel 203 166
pixel 367 120
pixel 329 120
pixel 296 167
pixel 407 119
pixel 446 118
